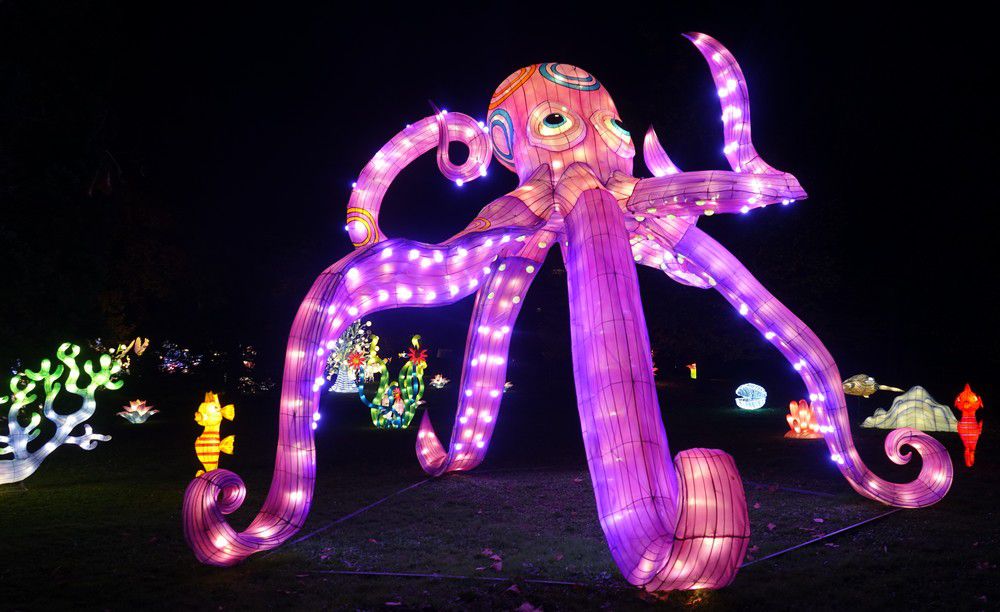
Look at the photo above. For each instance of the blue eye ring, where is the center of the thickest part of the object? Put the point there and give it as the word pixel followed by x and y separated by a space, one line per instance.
pixel 554 120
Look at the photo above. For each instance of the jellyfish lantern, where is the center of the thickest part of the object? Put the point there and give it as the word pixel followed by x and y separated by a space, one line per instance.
pixel 678 524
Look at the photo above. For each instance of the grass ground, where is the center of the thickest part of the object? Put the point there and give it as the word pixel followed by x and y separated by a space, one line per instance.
pixel 102 529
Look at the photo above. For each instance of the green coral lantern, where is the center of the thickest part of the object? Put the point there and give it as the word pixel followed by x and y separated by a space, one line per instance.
pixel 395 402
pixel 24 462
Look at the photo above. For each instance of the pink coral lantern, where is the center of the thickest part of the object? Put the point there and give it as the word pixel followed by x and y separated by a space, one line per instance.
pixel 801 422
pixel 678 524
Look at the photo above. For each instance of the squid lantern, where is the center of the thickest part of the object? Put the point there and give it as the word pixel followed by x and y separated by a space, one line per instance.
pixel 670 525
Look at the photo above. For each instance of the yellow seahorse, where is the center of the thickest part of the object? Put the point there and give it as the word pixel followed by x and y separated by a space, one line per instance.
pixel 208 446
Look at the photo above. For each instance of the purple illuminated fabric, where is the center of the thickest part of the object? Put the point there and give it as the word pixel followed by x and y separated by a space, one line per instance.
pixel 678 524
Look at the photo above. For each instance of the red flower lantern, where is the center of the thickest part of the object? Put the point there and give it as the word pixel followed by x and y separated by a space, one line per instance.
pixel 355 360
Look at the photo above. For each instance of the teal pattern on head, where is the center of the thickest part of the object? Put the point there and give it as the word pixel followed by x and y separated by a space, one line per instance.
pixel 550 71
pixel 504 149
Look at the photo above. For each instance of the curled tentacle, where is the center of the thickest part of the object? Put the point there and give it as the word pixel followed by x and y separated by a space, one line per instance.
pixel 815 365
pixel 480 148
pixel 394 273
pixel 713 528
pixel 666 526
pixel 752 183
pixel 230 491
pixel 214 541
pixel 656 158
pixel 735 102
pixel 498 304
pixel 407 145
pixel 704 192
pixel 652 243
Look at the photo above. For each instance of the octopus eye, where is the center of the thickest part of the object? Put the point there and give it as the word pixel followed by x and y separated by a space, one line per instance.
pixel 615 125
pixel 554 124
pixel 554 120
pixel 555 127
pixel 613 132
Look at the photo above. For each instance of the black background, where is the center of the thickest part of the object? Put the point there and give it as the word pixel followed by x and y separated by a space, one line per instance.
pixel 181 171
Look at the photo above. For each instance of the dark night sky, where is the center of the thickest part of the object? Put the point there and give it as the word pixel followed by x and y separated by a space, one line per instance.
pixel 224 141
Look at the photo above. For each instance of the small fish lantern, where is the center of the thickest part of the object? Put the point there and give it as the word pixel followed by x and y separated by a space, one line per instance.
pixel 864 385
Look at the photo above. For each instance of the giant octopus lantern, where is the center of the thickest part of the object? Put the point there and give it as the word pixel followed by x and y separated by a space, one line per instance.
pixel 670 525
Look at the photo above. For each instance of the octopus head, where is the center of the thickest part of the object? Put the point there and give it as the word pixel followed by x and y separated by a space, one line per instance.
pixel 557 114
